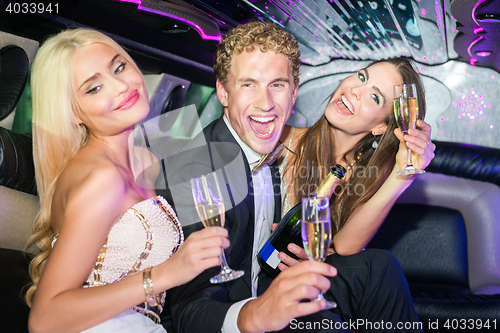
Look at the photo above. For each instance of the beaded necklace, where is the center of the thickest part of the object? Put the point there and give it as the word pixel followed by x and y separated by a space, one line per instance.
pixel 351 165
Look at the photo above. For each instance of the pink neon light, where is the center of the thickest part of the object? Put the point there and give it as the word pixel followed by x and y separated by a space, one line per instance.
pixel 194 25
pixel 477 30
pixel 483 53
pixel 474 42
pixel 474 10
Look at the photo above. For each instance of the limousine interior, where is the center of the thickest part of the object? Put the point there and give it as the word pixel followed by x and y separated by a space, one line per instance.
pixel 444 229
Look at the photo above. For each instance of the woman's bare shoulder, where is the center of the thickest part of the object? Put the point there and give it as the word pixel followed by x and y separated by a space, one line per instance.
pixel 299 131
pixel 294 133
pixel 90 181
pixel 89 170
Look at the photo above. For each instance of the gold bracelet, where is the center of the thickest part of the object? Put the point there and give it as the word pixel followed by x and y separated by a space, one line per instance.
pixel 148 287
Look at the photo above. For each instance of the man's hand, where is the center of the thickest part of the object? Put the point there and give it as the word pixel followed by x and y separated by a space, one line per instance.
pixel 274 309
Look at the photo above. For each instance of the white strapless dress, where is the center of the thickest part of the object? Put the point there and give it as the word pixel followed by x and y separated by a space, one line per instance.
pixel 145 236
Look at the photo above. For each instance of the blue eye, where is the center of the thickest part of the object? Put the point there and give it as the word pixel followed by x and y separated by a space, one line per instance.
pixel 362 77
pixel 120 68
pixel 94 90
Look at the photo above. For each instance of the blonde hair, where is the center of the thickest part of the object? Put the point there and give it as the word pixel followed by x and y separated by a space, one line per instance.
pixel 57 136
pixel 265 36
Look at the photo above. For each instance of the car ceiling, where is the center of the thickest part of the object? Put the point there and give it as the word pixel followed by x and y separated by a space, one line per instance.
pixel 180 37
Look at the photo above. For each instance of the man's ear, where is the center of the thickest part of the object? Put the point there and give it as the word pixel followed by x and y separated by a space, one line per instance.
pixel 295 90
pixel 380 129
pixel 221 93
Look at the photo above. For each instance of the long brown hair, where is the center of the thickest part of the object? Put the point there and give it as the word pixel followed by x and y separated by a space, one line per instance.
pixel 316 154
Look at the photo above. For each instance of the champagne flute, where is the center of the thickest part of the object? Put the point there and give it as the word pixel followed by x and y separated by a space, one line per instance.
pixel 210 207
pixel 316 233
pixel 406 112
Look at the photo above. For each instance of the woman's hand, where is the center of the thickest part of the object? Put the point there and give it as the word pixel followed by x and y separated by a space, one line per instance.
pixel 200 251
pixel 286 260
pixel 419 141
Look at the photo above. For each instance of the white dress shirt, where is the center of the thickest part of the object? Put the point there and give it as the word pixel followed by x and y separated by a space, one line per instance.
pixel 264 214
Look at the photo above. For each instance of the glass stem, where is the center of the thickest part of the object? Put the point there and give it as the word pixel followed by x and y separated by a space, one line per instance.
pixel 409 163
pixel 224 266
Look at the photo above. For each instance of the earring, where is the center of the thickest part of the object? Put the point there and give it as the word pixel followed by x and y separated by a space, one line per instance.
pixel 374 144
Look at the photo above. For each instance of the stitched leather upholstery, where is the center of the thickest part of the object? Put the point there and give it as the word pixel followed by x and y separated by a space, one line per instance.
pixel 429 242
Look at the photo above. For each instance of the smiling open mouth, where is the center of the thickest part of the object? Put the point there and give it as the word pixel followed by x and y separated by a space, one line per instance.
pixel 262 126
pixel 345 105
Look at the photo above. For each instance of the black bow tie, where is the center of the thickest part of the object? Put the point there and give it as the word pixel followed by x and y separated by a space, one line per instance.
pixel 268 159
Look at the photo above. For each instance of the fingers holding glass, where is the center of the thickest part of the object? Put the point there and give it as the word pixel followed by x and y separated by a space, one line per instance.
pixel 407 114
pixel 316 233
pixel 210 207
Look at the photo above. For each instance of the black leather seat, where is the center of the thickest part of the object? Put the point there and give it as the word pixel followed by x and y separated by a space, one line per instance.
pixel 17 180
pixel 444 231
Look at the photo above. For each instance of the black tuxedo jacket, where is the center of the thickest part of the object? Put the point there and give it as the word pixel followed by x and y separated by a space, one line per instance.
pixel 200 306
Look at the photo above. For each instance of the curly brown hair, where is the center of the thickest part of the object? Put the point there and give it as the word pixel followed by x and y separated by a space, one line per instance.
pixel 266 36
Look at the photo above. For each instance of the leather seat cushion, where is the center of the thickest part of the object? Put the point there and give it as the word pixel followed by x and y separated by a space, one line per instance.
pixel 429 242
pixel 439 309
pixel 14 277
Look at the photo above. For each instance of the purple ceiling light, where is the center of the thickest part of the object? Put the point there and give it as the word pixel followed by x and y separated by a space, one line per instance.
pixel 206 27
pixel 477 41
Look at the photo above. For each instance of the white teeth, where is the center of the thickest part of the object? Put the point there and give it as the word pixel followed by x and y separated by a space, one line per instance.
pixel 263 119
pixel 347 104
pixel 270 130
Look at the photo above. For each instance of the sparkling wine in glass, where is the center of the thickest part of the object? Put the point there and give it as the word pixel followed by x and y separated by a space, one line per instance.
pixel 406 113
pixel 316 233
pixel 210 207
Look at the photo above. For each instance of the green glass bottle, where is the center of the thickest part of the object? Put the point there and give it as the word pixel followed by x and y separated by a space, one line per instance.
pixel 288 230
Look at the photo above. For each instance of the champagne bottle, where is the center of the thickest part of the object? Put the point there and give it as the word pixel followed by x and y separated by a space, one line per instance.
pixel 288 230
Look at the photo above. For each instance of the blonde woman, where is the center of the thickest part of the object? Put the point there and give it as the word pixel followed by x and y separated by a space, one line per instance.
pixel 104 240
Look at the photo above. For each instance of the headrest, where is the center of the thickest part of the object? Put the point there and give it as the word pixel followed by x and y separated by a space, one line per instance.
pixel 14 68
pixel 17 170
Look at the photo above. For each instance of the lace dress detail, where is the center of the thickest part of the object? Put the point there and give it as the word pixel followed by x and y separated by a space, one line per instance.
pixel 145 236
pixel 285 202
